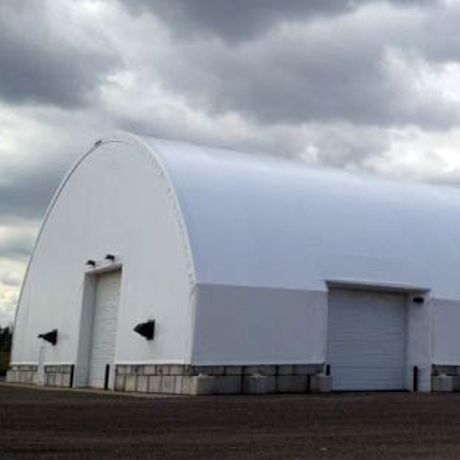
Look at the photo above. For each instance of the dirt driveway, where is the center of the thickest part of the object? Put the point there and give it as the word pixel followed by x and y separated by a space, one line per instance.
pixel 39 424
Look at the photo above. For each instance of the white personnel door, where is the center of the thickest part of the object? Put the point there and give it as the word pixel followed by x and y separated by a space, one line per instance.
pixel 367 340
pixel 106 303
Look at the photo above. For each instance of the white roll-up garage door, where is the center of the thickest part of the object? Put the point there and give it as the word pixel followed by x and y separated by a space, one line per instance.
pixel 106 302
pixel 367 340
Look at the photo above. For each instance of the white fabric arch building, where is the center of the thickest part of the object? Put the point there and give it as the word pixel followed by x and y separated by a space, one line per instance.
pixel 242 273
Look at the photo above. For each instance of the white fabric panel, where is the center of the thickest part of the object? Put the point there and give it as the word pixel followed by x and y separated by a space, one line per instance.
pixel 367 340
pixel 106 303
pixel 256 220
pixel 118 201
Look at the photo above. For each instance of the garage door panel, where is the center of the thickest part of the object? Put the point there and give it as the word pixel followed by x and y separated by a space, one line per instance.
pixel 367 340
pixel 105 320
pixel 367 378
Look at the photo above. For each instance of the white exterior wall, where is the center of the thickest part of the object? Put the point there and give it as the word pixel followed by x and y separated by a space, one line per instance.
pixel 265 222
pixel 246 325
pixel 445 331
pixel 116 201
pixel 265 235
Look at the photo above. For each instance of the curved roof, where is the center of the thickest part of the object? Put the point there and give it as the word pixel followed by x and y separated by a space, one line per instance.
pixel 258 220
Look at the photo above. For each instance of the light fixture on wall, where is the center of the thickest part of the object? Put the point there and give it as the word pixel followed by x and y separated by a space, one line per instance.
pixel 418 300
pixel 50 336
pixel 146 329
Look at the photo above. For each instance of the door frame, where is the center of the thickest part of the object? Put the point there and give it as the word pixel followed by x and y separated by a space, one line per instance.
pixel 85 333
pixel 418 326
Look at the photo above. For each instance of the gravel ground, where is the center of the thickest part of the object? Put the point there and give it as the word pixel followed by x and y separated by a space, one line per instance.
pixel 39 424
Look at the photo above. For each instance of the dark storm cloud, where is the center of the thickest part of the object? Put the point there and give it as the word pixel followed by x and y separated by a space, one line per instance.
pixel 307 76
pixel 359 68
pixel 40 64
pixel 239 20
pixel 28 194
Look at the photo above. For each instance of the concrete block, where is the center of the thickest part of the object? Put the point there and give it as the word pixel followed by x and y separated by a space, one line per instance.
pixel 321 383
pixel 305 369
pixel 131 383
pixel 267 370
pixel 154 385
pixel 442 383
pixel 260 370
pixel 65 380
pixel 285 369
pixel 119 383
pixel 178 384
pixel 227 384
pixel 138 370
pixel 120 370
pixel 50 380
pixel 60 379
pixel 215 370
pixel 444 369
pixel 189 370
pixel 202 384
pixel 210 370
pixel 142 383
pixel 292 384
pixel 252 370
pixel 162 369
pixel 456 383
pixel 167 384
pixel 259 384
pixel 233 370
pixel 176 369
pixel 11 376
pixel 187 385
pixel 150 370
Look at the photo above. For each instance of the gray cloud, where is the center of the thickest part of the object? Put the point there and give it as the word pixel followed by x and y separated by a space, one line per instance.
pixel 353 84
pixel 28 195
pixel 40 63
pixel 357 69
pixel 16 245
pixel 240 20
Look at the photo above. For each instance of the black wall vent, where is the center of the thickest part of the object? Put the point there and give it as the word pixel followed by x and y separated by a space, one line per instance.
pixel 146 329
pixel 50 336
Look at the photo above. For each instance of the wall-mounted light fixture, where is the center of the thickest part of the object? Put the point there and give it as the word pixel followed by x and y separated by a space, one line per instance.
pixel 50 336
pixel 90 262
pixel 110 257
pixel 146 330
pixel 418 300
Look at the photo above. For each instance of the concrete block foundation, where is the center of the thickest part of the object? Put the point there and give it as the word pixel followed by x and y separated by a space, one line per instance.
pixel 259 384
pixel 321 383
pixel 54 375
pixel 201 380
pixel 442 383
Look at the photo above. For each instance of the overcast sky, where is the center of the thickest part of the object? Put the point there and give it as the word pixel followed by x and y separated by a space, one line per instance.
pixel 363 85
